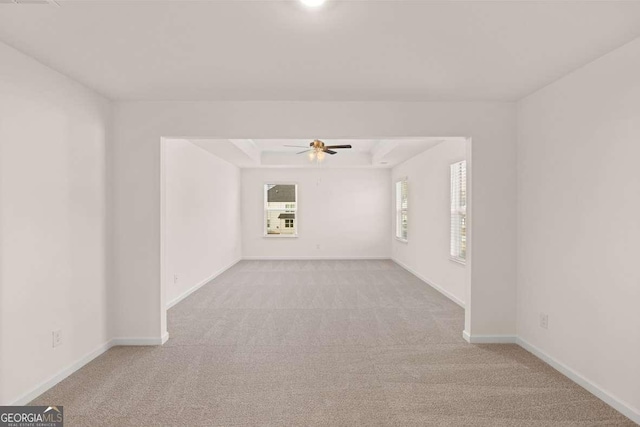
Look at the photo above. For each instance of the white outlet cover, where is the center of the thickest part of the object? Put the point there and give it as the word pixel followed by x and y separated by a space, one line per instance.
pixel 544 321
pixel 57 337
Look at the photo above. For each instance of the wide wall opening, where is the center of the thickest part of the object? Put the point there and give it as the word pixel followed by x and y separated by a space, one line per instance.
pixel 403 201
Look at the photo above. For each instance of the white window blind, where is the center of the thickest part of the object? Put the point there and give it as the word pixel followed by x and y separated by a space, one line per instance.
pixel 402 207
pixel 459 211
pixel 280 210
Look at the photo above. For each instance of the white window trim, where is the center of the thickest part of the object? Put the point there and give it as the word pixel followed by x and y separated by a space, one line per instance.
pixel 399 210
pixel 454 211
pixel 289 210
pixel 457 260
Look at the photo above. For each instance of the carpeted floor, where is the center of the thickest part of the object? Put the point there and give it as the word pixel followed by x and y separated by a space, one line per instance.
pixel 322 343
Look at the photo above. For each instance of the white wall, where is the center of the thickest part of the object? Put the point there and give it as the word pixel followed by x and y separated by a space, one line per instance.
pixel 139 127
pixel 426 251
pixel 202 227
pixel 579 204
pixel 53 219
pixel 344 211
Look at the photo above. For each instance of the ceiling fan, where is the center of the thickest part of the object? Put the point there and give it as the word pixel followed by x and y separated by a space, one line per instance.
pixel 318 148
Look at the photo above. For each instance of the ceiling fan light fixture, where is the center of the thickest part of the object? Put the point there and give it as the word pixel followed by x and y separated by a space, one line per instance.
pixel 318 150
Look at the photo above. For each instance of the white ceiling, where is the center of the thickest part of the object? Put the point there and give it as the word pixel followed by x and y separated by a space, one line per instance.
pixel 280 146
pixel 378 153
pixel 345 50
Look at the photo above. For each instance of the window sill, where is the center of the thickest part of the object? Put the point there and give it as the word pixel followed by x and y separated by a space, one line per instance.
pixel 280 236
pixel 458 261
pixel 402 240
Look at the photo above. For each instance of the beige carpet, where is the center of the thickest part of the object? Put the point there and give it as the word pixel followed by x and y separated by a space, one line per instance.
pixel 322 343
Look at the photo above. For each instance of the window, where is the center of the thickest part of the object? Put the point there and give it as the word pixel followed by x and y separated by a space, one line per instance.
pixel 280 210
pixel 459 211
pixel 402 200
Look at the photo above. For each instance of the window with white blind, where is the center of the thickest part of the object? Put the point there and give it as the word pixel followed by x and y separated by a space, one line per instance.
pixel 280 210
pixel 459 211
pixel 402 207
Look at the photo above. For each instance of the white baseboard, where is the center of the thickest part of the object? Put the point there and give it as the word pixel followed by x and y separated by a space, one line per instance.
pixel 64 373
pixel 623 407
pixel 61 375
pixel 140 341
pixel 489 339
pixel 201 284
pixel 430 283
pixel 312 258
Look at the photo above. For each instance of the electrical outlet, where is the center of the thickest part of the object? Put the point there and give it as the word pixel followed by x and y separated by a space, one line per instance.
pixel 317 246
pixel 544 321
pixel 175 278
pixel 57 337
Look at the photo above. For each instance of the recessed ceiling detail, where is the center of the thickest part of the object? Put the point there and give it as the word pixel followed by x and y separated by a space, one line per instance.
pixel 272 153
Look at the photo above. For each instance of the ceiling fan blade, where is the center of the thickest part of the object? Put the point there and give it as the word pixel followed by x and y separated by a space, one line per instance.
pixel 329 151
pixel 296 146
pixel 337 146
pixel 305 151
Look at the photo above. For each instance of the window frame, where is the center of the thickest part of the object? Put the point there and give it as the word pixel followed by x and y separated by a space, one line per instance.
pixel 400 211
pixel 457 211
pixel 294 210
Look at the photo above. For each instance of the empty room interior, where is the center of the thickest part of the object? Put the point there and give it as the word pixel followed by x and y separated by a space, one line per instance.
pixel 309 212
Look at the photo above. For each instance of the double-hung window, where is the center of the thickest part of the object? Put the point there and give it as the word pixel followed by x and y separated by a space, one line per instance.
pixel 402 208
pixel 281 210
pixel 459 211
